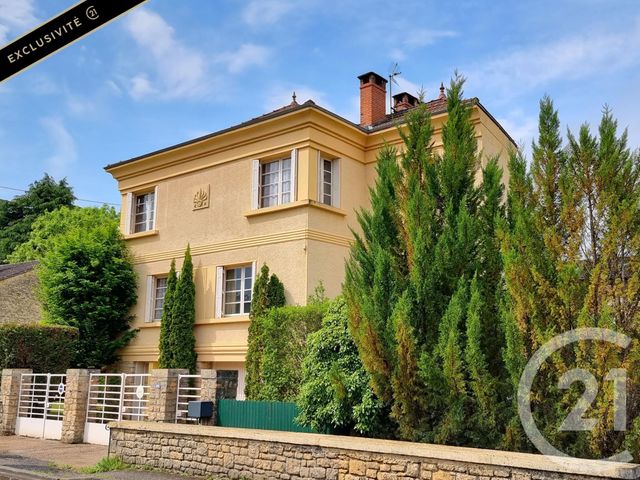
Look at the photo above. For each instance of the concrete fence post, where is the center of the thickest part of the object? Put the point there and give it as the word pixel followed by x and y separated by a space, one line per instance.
pixel 9 393
pixel 208 387
pixel 163 391
pixel 76 399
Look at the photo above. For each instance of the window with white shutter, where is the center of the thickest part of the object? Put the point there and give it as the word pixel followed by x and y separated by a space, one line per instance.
pixel 329 181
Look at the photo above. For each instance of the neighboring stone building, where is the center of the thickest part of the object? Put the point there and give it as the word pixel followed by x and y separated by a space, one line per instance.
pixel 18 297
pixel 282 188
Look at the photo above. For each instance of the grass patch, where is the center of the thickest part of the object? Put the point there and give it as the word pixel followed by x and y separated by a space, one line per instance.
pixel 107 464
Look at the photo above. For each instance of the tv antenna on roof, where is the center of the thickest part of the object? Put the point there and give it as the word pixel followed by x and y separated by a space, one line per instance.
pixel 393 73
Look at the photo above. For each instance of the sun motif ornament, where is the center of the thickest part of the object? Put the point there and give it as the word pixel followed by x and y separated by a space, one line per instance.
pixel 201 198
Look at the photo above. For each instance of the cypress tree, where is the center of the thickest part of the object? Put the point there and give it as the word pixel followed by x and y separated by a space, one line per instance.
pixel 268 292
pixel 429 232
pixel 569 249
pixel 183 313
pixel 166 353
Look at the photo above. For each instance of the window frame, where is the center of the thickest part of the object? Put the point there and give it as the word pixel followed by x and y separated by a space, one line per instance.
pixel 242 267
pixel 278 184
pixel 150 211
pixel 333 195
pixel 154 300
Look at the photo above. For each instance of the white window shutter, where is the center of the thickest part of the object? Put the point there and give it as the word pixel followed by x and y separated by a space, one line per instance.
pixel 254 273
pixel 320 189
pixel 241 384
pixel 148 314
pixel 155 207
pixel 255 185
pixel 128 207
pixel 294 174
pixel 335 183
pixel 219 291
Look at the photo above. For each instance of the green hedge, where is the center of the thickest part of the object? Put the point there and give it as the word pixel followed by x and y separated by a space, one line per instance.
pixel 281 338
pixel 43 348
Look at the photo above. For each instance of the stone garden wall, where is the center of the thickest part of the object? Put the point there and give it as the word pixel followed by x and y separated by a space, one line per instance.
pixel 206 451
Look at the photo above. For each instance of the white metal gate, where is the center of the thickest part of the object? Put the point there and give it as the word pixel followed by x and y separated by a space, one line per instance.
pixel 113 397
pixel 189 388
pixel 41 405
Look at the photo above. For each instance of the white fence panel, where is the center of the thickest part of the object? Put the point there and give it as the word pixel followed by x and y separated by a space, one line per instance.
pixel 113 397
pixel 189 388
pixel 41 405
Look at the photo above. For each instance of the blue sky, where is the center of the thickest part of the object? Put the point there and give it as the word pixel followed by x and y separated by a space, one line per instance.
pixel 173 70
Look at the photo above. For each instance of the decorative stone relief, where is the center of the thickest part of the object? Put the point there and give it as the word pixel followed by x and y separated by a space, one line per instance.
pixel 201 198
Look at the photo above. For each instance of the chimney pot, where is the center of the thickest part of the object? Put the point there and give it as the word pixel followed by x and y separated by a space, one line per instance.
pixel 403 100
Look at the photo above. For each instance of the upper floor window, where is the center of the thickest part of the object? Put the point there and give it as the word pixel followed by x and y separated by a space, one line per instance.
pixel 329 181
pixel 140 211
pixel 274 181
pixel 144 212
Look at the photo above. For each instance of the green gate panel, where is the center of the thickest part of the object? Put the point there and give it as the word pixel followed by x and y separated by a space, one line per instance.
pixel 260 415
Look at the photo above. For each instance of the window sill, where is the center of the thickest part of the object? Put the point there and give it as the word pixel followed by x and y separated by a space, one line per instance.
pixel 207 321
pixel 148 233
pixel 328 208
pixel 296 204
pixel 229 319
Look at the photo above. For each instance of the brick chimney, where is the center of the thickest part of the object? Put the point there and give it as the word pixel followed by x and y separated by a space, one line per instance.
pixel 373 98
pixel 403 101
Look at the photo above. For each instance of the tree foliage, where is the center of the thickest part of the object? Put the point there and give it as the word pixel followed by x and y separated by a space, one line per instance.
pixel 18 215
pixel 182 313
pixel 87 281
pixel 570 252
pixel 268 292
pixel 422 282
pixel 283 337
pixel 335 396
pixel 166 347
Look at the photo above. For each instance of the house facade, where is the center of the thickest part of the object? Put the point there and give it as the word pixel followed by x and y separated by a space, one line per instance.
pixel 280 189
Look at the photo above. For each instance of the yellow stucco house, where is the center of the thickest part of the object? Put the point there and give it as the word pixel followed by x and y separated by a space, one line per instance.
pixel 283 189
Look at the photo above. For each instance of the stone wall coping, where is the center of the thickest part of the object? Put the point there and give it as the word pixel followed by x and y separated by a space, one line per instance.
pixel 529 461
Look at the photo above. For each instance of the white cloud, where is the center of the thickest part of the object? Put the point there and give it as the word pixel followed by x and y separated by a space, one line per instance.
pixel 180 71
pixel 421 37
pixel 266 12
pixel 140 87
pixel 176 69
pixel 16 16
pixel 63 146
pixel 247 56
pixel 573 58
pixel 521 127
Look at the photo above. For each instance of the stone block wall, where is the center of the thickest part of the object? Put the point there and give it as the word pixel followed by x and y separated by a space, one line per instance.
pixel 204 451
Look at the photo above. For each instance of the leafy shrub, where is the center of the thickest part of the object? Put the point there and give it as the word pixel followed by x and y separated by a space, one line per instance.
pixel 335 396
pixel 283 336
pixel 39 347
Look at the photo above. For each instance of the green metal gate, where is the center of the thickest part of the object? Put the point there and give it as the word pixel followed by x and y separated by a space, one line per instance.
pixel 260 415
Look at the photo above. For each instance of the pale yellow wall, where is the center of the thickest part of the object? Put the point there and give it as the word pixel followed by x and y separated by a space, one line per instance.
pixel 303 242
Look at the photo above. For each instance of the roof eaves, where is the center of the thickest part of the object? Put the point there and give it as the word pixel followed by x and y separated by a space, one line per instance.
pixel 267 116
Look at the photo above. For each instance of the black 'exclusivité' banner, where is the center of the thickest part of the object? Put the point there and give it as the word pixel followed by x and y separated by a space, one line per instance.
pixel 59 32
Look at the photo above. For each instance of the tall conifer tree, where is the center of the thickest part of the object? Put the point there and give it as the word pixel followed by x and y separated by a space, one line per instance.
pixel 429 232
pixel 166 349
pixel 183 313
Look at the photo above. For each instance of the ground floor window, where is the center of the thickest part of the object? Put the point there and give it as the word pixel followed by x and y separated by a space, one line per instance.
pixel 238 286
pixel 227 384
